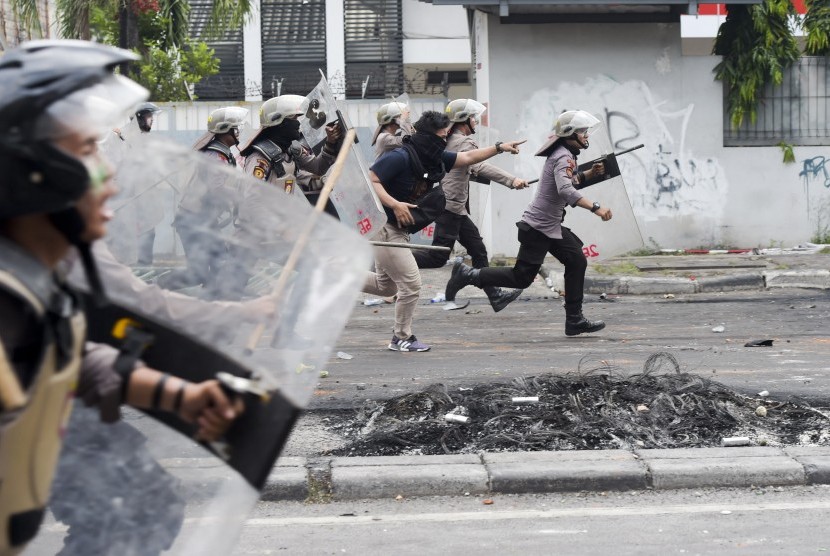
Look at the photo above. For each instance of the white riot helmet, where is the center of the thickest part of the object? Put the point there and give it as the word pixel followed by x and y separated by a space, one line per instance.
pixel 222 120
pixel 462 109
pixel 389 113
pixel 275 110
pixel 574 121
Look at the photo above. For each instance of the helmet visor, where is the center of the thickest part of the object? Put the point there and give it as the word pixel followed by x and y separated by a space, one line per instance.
pixel 475 109
pixel 98 109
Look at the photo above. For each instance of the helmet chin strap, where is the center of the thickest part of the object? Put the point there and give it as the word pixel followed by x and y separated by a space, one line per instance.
pixel 70 223
pixel 578 141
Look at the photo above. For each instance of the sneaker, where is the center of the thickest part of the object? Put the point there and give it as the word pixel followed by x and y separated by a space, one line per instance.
pixel 410 344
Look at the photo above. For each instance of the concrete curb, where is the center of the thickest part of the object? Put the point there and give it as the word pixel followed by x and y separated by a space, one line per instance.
pixel 659 285
pixel 525 472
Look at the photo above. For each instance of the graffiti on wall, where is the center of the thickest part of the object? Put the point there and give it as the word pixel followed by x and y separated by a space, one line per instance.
pixel 665 179
pixel 815 172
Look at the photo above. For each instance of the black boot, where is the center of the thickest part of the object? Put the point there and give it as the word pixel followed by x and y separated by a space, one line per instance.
pixel 462 275
pixel 578 324
pixel 499 298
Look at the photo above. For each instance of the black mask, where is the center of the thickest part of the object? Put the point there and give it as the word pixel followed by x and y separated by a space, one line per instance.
pixel 429 148
pixel 291 128
pixel 284 134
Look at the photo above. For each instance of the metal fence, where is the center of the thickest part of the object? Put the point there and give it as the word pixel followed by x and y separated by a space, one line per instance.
pixel 794 112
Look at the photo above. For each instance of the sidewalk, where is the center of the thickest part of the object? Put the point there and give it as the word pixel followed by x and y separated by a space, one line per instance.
pixel 668 274
pixel 324 479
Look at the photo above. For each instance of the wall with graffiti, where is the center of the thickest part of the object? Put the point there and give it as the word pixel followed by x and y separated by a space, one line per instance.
pixel 685 188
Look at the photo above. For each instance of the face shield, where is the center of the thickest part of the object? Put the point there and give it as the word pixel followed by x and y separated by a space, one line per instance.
pixel 93 110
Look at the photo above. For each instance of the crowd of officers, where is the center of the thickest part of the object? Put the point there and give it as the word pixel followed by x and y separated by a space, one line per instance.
pixel 56 184
pixel 439 148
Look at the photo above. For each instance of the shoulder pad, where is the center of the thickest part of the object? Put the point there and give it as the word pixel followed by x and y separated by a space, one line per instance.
pixel 268 148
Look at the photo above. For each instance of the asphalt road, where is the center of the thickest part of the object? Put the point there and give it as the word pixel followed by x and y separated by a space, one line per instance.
pixel 708 521
pixel 477 345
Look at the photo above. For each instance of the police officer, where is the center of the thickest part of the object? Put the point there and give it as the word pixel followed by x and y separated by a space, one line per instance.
pixel 274 153
pixel 151 199
pixel 56 100
pixel 145 116
pixel 206 207
pixel 454 224
pixel 541 230
pixel 393 125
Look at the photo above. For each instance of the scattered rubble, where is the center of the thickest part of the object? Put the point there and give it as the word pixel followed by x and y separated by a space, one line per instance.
pixel 593 408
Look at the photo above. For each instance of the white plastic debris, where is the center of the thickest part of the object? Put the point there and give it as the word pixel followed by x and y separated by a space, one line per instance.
pixel 718 329
pixel 763 393
pixel 603 295
pixel 525 399
pixel 761 411
pixel 735 441
pixel 453 418
pixel 549 282
pixel 439 298
pixel 372 301
pixel 554 293
pixel 643 408
pixel 668 296
pixel 343 355
pixel 324 374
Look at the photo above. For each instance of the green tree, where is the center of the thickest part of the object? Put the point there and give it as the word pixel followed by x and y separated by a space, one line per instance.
pixel 757 45
pixel 157 29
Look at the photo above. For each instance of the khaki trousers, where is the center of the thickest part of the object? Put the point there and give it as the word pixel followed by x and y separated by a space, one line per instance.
pixel 396 272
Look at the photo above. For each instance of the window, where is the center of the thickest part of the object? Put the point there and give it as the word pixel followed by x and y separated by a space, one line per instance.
pixel 794 112
pixel 374 48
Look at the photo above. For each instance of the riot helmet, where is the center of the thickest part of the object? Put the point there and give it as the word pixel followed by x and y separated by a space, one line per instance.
pixel 462 109
pixel 227 120
pixel 572 123
pixel 389 113
pixel 144 115
pixel 48 89
pixel 275 110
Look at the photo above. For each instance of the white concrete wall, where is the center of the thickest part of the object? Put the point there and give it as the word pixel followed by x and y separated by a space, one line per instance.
pixel 434 34
pixel 686 189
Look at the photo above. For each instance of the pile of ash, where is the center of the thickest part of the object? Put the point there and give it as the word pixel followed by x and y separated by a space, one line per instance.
pixel 591 409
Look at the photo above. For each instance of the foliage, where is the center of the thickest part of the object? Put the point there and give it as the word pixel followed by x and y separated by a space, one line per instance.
pixel 787 150
pixel 27 14
pixel 169 74
pixel 757 45
pixel 817 28
pixel 821 235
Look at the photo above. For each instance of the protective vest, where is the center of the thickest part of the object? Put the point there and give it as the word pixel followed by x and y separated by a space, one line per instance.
pixel 281 169
pixel 32 422
pixel 222 148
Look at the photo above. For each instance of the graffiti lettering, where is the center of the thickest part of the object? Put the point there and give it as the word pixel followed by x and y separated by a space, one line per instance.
pixel 812 167
pixel 590 251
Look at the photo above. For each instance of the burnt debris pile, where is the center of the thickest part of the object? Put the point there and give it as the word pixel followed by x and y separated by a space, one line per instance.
pixel 593 408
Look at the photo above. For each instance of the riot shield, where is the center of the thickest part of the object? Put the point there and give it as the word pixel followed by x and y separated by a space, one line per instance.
pixel 354 197
pixel 199 329
pixel 619 235
pixel 141 206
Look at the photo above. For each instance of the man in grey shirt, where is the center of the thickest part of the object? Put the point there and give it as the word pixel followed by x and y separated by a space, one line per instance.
pixel 541 230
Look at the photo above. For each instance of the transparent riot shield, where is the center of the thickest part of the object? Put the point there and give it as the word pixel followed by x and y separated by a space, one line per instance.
pixel 211 308
pixel 141 206
pixel 354 197
pixel 619 235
